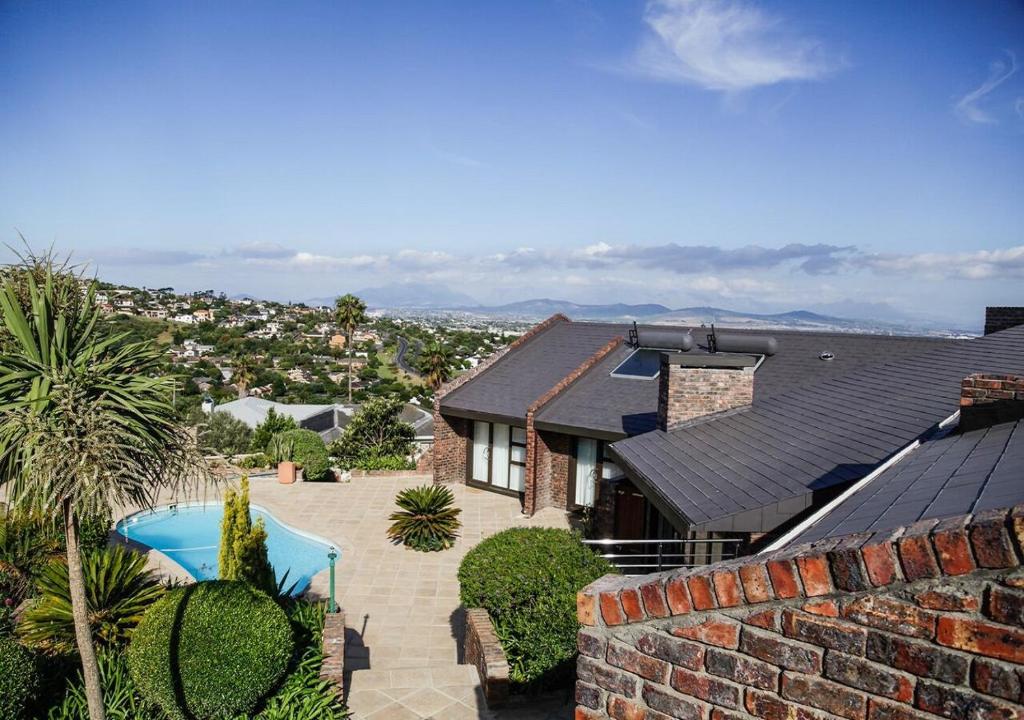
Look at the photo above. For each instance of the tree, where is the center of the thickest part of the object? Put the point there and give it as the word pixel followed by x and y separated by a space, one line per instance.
pixel 349 313
pixel 86 421
pixel 243 374
pixel 436 365
pixel 273 424
pixel 243 543
pixel 375 431
pixel 220 432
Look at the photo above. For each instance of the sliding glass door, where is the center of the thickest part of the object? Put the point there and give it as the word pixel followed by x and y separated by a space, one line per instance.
pixel 499 456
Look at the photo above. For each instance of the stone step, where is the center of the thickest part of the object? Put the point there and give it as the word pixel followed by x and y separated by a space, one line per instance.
pixel 441 691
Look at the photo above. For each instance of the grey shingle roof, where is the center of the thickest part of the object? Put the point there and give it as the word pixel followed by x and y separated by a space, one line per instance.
pixel 603 406
pixel 754 468
pixel 950 474
pixel 614 407
pixel 525 373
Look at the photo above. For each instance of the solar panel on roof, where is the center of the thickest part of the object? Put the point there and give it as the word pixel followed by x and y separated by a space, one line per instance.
pixel 643 364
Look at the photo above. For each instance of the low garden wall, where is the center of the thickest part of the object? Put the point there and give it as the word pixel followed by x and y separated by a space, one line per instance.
pixel 483 650
pixel 333 667
pixel 925 622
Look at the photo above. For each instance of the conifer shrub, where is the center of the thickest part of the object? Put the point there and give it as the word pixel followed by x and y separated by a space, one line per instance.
pixel 211 650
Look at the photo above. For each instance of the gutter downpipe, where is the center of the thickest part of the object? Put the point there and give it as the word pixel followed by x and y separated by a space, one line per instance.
pixel 795 532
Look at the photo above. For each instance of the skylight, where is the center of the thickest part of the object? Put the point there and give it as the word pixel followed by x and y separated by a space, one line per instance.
pixel 642 364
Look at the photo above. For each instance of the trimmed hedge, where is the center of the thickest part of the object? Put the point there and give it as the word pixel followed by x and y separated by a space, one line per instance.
pixel 527 579
pixel 216 647
pixel 19 679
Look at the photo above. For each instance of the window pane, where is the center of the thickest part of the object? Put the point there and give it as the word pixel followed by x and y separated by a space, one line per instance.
pixel 519 435
pixel 518 454
pixel 586 466
pixel 610 471
pixel 517 478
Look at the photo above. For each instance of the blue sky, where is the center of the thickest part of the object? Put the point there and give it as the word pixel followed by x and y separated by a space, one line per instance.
pixel 759 156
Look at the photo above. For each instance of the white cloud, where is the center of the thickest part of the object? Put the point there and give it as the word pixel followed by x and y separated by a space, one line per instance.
pixel 967 107
pixel 977 265
pixel 725 46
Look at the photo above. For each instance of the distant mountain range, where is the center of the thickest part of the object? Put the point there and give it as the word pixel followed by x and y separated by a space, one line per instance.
pixel 850 316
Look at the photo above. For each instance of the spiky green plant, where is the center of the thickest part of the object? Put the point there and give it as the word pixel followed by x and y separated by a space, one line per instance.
pixel 118 588
pixel 428 519
pixel 280 448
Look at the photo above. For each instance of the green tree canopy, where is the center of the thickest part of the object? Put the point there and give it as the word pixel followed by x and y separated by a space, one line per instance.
pixel 376 430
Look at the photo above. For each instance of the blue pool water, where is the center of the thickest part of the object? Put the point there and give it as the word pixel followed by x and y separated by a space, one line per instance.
pixel 190 535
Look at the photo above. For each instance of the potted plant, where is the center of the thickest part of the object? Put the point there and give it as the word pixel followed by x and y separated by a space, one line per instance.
pixel 280 450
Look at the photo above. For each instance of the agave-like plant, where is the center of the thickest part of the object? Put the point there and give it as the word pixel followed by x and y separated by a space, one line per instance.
pixel 119 589
pixel 280 448
pixel 428 519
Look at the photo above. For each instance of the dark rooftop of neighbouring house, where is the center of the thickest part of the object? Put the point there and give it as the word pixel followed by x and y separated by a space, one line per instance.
pixel 952 473
pixel 753 469
pixel 601 405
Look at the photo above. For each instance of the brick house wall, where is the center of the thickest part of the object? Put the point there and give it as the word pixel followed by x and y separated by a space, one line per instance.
pixel 551 477
pixel 452 435
pixel 925 622
pixel 686 393
pixel 1001 318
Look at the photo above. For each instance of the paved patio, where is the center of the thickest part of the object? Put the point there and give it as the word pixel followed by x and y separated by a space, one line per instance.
pixel 402 607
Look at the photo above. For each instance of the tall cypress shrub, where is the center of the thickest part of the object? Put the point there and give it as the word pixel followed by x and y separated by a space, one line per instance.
pixel 243 544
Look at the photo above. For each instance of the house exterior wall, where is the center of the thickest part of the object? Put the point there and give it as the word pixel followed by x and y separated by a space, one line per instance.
pixel 686 393
pixel 1001 318
pixel 449 441
pixel 925 622
pixel 986 399
pixel 552 459
pixel 452 439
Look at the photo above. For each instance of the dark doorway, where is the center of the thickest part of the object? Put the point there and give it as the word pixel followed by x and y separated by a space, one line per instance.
pixel 630 512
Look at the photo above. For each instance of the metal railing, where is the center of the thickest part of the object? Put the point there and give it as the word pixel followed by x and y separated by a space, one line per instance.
pixel 636 557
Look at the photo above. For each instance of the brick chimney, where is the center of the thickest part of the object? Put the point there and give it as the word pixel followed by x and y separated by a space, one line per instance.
pixel 1001 318
pixel 693 386
pixel 987 399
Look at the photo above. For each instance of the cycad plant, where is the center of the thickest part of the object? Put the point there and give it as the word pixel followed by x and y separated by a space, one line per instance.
pixel 428 519
pixel 118 590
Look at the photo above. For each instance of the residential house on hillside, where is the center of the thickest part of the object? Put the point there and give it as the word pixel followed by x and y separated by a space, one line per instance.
pixel 694 433
pixel 327 420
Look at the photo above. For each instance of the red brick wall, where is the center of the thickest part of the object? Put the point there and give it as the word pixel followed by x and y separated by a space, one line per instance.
pixel 451 434
pixel 986 399
pixel 553 453
pixel 537 467
pixel 452 438
pixel 926 622
pixel 686 393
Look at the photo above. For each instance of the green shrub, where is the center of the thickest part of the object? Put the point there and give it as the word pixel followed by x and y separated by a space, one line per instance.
pixel 19 680
pixel 118 591
pixel 318 469
pixel 527 579
pixel 258 460
pixel 376 430
pixel 220 647
pixel 306 445
pixel 273 424
pixel 243 543
pixel 380 462
pixel 427 520
pixel 220 432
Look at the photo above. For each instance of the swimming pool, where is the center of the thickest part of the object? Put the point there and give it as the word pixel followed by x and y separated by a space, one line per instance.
pixel 189 534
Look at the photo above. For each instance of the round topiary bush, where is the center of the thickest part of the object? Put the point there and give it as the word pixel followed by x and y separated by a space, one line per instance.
pixel 19 679
pixel 210 650
pixel 527 579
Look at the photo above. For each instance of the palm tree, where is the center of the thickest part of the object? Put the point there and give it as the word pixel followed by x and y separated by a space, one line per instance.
pixel 349 313
pixel 86 422
pixel 243 374
pixel 436 365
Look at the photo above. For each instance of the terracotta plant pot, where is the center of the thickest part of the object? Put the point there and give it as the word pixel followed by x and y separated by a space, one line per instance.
pixel 286 472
